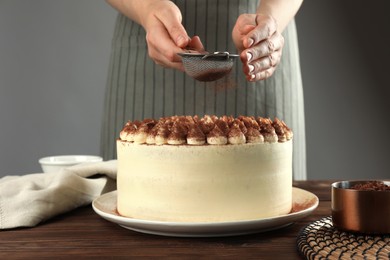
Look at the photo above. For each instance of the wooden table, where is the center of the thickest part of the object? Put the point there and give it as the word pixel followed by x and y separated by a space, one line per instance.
pixel 83 233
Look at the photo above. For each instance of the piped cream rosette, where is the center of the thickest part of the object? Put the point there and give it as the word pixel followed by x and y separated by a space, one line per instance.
pixel 212 130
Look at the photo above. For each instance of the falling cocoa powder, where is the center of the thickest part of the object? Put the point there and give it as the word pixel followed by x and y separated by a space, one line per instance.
pixel 227 82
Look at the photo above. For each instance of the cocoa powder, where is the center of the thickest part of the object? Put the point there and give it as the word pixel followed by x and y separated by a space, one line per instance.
pixel 225 83
pixel 212 74
pixel 371 186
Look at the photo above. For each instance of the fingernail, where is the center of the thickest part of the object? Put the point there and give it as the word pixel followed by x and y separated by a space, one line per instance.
pixel 253 76
pixel 251 68
pixel 250 42
pixel 248 56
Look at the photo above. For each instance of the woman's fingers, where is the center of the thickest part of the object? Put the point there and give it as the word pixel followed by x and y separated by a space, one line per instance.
pixel 264 48
pixel 262 57
pixel 263 63
pixel 195 45
pixel 261 75
pixel 162 50
pixel 244 24
pixel 170 16
pixel 165 35
pixel 265 28
pixel 259 43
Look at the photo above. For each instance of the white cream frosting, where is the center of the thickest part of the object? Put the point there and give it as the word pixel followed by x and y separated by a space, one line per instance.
pixel 195 141
pixel 217 140
pixel 206 183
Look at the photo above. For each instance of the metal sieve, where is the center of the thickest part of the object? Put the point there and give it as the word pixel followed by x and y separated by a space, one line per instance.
pixel 208 67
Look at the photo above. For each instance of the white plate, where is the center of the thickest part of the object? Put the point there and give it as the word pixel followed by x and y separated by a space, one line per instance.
pixel 304 203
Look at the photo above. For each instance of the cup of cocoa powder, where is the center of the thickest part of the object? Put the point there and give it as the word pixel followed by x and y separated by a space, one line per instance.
pixel 361 206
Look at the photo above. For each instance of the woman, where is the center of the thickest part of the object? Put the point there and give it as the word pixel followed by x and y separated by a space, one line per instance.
pixel 146 78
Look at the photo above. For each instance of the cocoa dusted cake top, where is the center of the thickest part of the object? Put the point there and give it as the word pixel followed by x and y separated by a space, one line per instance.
pixel 213 130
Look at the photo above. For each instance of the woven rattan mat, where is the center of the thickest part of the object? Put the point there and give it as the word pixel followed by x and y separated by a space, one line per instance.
pixel 320 240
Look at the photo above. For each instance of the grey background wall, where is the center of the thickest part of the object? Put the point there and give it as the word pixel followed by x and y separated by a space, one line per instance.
pixel 53 64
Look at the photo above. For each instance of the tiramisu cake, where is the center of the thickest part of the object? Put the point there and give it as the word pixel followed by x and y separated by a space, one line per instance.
pixel 209 169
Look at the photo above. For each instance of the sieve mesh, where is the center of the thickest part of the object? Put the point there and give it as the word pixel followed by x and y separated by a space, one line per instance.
pixel 208 67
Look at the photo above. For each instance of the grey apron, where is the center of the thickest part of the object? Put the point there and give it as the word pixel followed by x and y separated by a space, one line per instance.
pixel 137 88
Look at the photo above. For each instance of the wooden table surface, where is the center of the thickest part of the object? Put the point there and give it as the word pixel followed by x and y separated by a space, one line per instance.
pixel 83 233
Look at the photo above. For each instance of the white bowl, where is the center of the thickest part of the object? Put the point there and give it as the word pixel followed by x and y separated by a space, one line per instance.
pixel 56 163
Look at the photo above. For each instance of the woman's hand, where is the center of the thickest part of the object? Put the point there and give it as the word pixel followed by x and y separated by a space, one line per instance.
pixel 259 43
pixel 166 36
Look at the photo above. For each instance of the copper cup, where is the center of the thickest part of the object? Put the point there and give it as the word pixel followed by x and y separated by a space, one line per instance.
pixel 362 211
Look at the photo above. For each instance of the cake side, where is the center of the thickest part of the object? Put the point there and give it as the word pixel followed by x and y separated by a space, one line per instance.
pixel 204 183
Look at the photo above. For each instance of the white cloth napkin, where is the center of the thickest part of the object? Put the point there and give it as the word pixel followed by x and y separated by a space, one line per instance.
pixel 27 200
